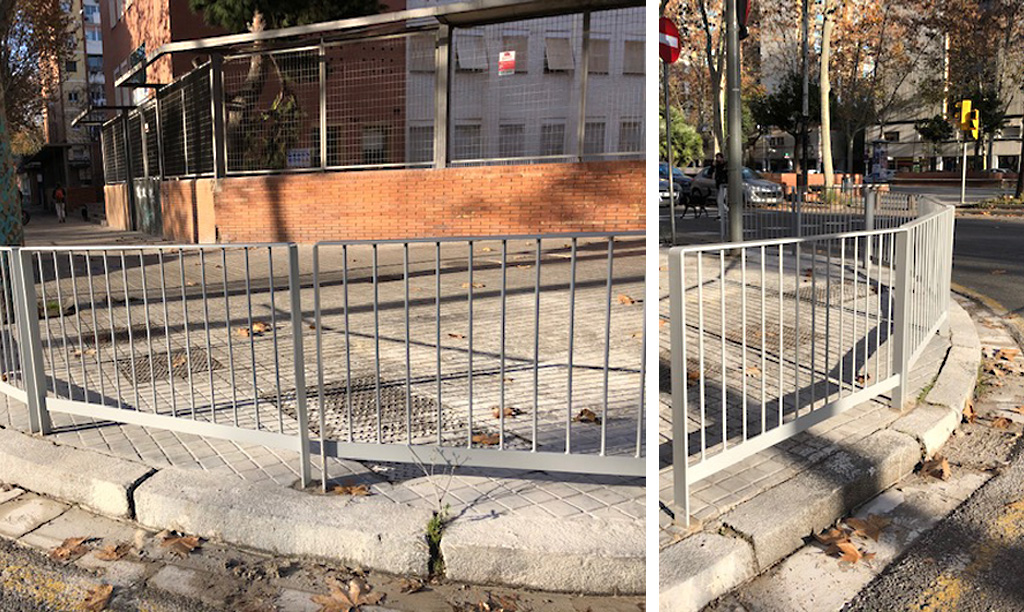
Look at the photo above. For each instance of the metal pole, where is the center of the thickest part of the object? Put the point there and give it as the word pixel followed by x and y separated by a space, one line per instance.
pixel 668 146
pixel 735 123
pixel 963 175
pixel 294 289
pixel 217 113
pixel 901 322
pixel 805 113
pixel 323 105
pixel 442 60
pixel 31 355
pixel 581 126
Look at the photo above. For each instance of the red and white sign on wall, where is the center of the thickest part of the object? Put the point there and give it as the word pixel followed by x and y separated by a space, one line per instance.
pixel 506 63
pixel 668 40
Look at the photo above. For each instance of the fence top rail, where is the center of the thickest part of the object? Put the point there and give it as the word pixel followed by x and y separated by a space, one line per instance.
pixel 153 247
pixel 563 235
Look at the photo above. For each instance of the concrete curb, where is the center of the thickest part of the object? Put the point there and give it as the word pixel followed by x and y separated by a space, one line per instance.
pixel 764 530
pixel 583 555
pixel 96 481
pixel 383 536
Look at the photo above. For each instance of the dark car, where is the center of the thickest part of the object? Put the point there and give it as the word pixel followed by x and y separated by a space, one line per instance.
pixel 682 183
pixel 663 192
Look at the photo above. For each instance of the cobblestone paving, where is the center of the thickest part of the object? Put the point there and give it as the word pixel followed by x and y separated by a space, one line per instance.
pixel 757 379
pixel 210 370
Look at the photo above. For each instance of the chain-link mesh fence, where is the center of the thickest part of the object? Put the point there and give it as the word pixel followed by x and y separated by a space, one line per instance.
pixel 517 93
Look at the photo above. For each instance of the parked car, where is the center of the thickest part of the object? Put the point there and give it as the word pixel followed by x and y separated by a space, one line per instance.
pixel 663 191
pixel 756 190
pixel 682 182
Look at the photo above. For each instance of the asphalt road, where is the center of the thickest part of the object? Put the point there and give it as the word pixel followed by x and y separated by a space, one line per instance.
pixel 972 561
pixel 988 257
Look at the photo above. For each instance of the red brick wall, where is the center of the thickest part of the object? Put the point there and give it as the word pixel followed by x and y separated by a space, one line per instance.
pixel 542 198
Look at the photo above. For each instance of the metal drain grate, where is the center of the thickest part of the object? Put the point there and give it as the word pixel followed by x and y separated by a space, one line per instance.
pixel 179 361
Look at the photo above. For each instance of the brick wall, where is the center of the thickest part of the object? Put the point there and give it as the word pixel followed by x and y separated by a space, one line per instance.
pixel 542 198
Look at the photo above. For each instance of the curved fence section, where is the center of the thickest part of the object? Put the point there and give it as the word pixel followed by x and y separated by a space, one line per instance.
pixel 770 337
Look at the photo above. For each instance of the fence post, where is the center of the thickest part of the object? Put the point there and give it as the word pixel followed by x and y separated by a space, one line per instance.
pixel 677 329
pixel 901 318
pixel 294 290
pixel 870 201
pixel 322 79
pixel 442 61
pixel 31 345
pixel 581 125
pixel 217 113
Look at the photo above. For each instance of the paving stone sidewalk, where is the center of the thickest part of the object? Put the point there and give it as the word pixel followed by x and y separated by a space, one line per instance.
pixel 469 491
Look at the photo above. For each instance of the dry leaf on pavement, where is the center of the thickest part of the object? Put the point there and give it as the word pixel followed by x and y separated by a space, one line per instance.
pixel 97 598
pixel 457 336
pixel 832 536
pixel 587 416
pixel 1007 354
pixel 411 585
pixel 180 546
pixel 346 598
pixel 870 527
pixel 260 327
pixel 754 371
pixel 484 439
pixel 359 490
pixel 969 414
pixel 848 552
pixel 510 412
pixel 937 466
pixel 1000 423
pixel 113 552
pixel 498 603
pixel 998 272
pixel 70 548
pixel 474 285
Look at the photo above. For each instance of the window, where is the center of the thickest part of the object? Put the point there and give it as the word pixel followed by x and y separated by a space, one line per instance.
pixel 421 54
pixel 1011 131
pixel 893 136
pixel 421 143
pixel 94 63
pixel 93 34
pixel 70 66
pixel 631 136
pixel 97 97
pixel 467 142
pixel 552 139
pixel 558 55
pixel 374 144
pixel 91 12
pixel 72 96
pixel 776 141
pixel 519 44
pixel 593 138
pixel 633 57
pixel 599 56
pixel 512 140
pixel 470 52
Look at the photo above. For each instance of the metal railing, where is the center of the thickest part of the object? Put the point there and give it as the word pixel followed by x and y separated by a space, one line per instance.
pixel 509 351
pixel 771 337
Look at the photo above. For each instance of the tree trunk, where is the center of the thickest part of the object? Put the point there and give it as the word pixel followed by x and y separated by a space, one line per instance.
pixel 11 230
pixel 826 116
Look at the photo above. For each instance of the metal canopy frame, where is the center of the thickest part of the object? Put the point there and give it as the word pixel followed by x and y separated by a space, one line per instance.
pixel 476 12
pixel 83 117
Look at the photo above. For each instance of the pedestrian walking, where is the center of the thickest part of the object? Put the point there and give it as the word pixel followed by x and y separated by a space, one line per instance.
pixel 60 203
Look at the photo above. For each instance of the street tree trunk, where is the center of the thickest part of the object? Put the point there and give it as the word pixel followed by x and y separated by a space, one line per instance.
pixel 826 116
pixel 11 230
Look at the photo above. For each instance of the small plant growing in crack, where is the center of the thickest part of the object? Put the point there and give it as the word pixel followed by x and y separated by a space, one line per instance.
pixel 435 529
pixel 441 482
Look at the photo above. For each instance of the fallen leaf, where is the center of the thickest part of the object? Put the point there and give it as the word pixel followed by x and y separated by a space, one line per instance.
pixel 510 412
pixel 832 536
pixel 998 272
pixel 260 327
pixel 70 548
pixel 180 546
pixel 359 490
pixel 587 416
pixel 1018 409
pixel 1001 423
pixel 625 299
pixel 97 598
pixel 938 467
pixel 312 326
pixel 456 336
pixel 693 375
pixel 863 378
pixel 849 552
pixel 342 598
pixel 411 585
pixel 808 272
pixel 181 361
pixel 870 527
pixel 474 285
pixel 662 323
pixel 484 439
pixel 487 250
pixel 1007 354
pixel 113 552
pixel 754 371
pixel 969 415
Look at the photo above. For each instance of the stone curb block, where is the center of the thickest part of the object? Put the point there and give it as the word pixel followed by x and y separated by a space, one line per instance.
pixel 930 425
pixel 814 499
pixel 585 555
pixel 701 568
pixel 379 535
pixel 93 480
pixel 961 328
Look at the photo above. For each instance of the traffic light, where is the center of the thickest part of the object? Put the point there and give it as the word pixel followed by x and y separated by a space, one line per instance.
pixel 975 123
pixel 965 115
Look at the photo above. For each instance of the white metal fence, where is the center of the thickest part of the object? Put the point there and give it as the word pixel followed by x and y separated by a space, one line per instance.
pixel 508 351
pixel 770 337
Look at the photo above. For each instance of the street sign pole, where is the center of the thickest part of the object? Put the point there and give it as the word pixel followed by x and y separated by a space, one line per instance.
pixel 963 174
pixel 668 147
pixel 735 122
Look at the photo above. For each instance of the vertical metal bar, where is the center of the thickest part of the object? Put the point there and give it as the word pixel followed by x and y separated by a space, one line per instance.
pixel 842 314
pixel 149 335
pixel 437 333
pixel 782 335
pixel 209 344
pixel 901 336
pixel 252 336
pixel 677 334
pixel 322 77
pixel 184 129
pixel 188 339
pixel 113 335
pixel 814 323
pixel 46 322
pixel 159 136
pixel 273 331
pixel 581 126
pixel 408 362
pixel 300 368
pixel 31 343
pixel 796 334
pixel 504 310
pixel 607 342
pixel 469 354
pixel 63 326
pixel 348 350
pixel 700 351
pixel 442 90
pixel 322 421
pixel 724 371
pixel 217 114
pixel 10 318
pixel 95 330
pixel 764 347
pixel 167 332
pixel 376 344
pixel 536 343
pixel 743 340
pixel 131 338
pixel 572 336
pixel 231 350
pixel 643 376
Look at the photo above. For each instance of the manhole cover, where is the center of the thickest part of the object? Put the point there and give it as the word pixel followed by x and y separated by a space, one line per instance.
pixel 181 363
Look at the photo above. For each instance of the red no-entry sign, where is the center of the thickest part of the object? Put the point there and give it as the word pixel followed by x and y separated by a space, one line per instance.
pixel 668 41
